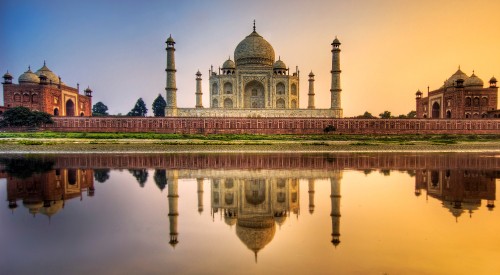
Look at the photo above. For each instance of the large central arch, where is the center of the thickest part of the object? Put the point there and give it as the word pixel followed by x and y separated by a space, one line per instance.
pixel 254 95
pixel 436 110
pixel 70 108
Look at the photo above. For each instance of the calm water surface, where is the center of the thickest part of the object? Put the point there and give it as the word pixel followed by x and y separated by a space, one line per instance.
pixel 250 214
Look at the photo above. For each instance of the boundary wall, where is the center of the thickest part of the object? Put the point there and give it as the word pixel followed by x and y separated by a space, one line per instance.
pixel 197 125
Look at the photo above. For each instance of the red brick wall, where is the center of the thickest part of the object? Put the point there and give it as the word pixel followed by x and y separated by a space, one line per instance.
pixel 388 161
pixel 193 125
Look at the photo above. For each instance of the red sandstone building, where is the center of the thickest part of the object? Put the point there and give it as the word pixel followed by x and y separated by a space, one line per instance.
pixel 44 91
pixel 460 97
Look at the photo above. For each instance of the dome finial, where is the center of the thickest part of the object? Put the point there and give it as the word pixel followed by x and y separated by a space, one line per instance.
pixel 44 63
pixel 254 25
pixel 29 67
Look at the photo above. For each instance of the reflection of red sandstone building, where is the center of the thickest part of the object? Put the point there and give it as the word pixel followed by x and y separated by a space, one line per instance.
pixel 459 190
pixel 44 91
pixel 46 193
pixel 461 96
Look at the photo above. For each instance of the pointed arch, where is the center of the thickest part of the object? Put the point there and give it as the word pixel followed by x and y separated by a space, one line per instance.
pixel 70 108
pixel 436 110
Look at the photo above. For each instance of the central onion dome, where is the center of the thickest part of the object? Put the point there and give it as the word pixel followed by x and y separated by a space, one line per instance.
pixel 456 76
pixel 254 50
pixel 51 76
pixel 255 233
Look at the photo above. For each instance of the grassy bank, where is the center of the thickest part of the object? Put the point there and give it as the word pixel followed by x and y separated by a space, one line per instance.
pixel 40 142
pixel 250 137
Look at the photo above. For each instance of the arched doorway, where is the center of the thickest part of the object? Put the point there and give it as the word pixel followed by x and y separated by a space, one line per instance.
pixel 254 95
pixel 72 176
pixel 215 89
pixel 280 103
pixel 56 112
pixel 215 103
pixel 448 114
pixel 70 108
pixel 228 88
pixel 280 89
pixel 294 89
pixel 228 103
pixel 436 110
pixel 255 191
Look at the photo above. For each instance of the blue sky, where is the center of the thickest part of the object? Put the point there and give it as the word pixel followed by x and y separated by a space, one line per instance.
pixel 389 48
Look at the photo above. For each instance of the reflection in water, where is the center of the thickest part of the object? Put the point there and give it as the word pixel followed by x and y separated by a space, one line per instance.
pixel 46 192
pixel 255 206
pixel 254 194
pixel 101 175
pixel 173 204
pixel 460 190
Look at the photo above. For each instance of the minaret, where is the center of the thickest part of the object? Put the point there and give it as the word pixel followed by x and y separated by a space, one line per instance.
pixel 335 214
pixel 171 87
pixel 200 195
pixel 311 196
pixel 199 94
pixel 173 201
pixel 310 104
pixel 335 90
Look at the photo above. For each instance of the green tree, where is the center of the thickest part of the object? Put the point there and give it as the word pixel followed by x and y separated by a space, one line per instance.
pixel 366 115
pixel 99 109
pixel 411 114
pixel 101 175
pixel 385 114
pixel 22 116
pixel 139 109
pixel 24 168
pixel 160 177
pixel 141 175
pixel 159 105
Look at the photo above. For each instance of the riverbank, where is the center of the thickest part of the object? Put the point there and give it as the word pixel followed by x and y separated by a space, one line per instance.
pixel 126 145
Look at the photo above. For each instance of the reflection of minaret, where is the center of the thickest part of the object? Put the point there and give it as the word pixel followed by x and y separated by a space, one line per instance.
pixel 335 214
pixel 200 195
pixel 311 196
pixel 173 213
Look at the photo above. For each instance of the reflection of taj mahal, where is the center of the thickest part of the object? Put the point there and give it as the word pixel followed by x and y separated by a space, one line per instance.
pixel 254 84
pixel 255 205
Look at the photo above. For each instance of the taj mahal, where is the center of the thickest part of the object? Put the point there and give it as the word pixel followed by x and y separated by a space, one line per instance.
pixel 255 84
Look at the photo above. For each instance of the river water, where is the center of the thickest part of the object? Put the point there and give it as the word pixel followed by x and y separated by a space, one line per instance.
pixel 384 213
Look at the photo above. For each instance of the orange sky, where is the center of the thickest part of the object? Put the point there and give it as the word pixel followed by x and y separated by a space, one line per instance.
pixel 389 48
